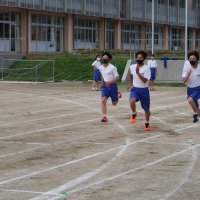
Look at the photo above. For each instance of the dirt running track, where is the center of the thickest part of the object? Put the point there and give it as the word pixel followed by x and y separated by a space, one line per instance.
pixel 53 146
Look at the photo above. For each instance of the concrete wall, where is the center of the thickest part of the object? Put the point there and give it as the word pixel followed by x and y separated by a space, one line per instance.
pixel 172 73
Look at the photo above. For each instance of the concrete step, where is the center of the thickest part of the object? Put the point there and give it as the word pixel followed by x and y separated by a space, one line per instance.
pixel 6 60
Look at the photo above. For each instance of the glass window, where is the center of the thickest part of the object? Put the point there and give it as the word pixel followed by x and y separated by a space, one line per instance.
pixel 175 38
pixel 130 36
pixel 86 33
pixel 45 31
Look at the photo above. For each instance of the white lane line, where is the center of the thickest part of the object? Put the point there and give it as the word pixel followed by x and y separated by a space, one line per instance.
pixel 183 113
pixel 171 105
pixel 76 161
pixel 22 191
pixel 43 118
pixel 176 187
pixel 50 195
pixel 23 151
pixel 167 143
pixel 80 179
pixel 25 143
pixel 101 168
pixel 188 127
pixel 165 123
pixel 36 112
pixel 38 106
pixel 47 129
pixel 131 171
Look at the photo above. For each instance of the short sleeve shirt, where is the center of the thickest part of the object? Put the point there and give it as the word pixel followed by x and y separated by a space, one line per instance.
pixel 144 71
pixel 152 63
pixel 109 72
pixel 96 64
pixel 194 78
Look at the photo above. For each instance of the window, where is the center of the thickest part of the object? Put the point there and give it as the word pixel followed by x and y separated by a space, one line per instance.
pixel 86 33
pixel 130 36
pixel 45 31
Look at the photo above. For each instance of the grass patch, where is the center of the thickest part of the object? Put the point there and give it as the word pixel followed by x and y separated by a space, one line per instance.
pixel 67 67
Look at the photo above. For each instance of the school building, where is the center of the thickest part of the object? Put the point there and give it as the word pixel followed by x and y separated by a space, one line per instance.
pixel 44 26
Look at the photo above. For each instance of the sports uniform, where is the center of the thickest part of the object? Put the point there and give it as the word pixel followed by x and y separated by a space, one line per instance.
pixel 97 75
pixel 109 73
pixel 193 84
pixel 140 90
pixel 153 66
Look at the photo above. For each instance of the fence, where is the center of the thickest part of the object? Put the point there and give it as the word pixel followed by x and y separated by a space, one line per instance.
pixel 27 70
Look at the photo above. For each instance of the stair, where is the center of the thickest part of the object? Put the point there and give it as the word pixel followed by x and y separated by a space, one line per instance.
pixel 6 60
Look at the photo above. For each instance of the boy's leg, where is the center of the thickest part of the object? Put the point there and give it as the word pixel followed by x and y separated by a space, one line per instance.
pixel 132 102
pixel 104 108
pixel 192 104
pixel 93 85
pixel 96 86
pixel 147 115
pixel 145 103
pixel 104 105
pixel 147 125
pixel 133 99
pixel 133 109
pixel 114 94
pixel 195 108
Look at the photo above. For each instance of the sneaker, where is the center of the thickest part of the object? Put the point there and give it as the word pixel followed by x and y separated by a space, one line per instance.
pixel 196 118
pixel 133 118
pixel 96 89
pixel 147 127
pixel 93 89
pixel 104 119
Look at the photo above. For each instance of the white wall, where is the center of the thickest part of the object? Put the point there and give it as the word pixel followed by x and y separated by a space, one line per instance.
pixel 172 73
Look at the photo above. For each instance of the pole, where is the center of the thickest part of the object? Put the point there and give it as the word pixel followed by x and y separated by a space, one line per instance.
pixel 36 74
pixel 186 28
pixel 2 69
pixel 153 5
pixel 53 70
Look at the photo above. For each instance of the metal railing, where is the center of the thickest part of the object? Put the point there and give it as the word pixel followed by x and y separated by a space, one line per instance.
pixel 27 70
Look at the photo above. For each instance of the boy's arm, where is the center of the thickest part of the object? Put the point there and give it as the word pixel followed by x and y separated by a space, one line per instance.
pixel 142 78
pixel 130 84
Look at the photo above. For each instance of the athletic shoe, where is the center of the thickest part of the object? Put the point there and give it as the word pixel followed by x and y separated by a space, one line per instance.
pixel 133 118
pixel 104 119
pixel 196 118
pixel 147 127
pixel 93 89
pixel 96 89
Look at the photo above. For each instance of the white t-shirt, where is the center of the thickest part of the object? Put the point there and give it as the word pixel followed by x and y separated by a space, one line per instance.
pixel 152 63
pixel 109 72
pixel 96 64
pixel 194 78
pixel 144 71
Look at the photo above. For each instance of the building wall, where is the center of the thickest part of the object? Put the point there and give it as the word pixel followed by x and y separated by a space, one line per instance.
pixel 119 24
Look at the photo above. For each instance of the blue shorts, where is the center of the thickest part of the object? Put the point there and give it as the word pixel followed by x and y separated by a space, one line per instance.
pixel 153 73
pixel 194 93
pixel 97 75
pixel 110 91
pixel 141 94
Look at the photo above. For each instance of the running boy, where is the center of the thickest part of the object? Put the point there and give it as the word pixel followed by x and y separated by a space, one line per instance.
pixel 191 76
pixel 109 86
pixel 139 76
